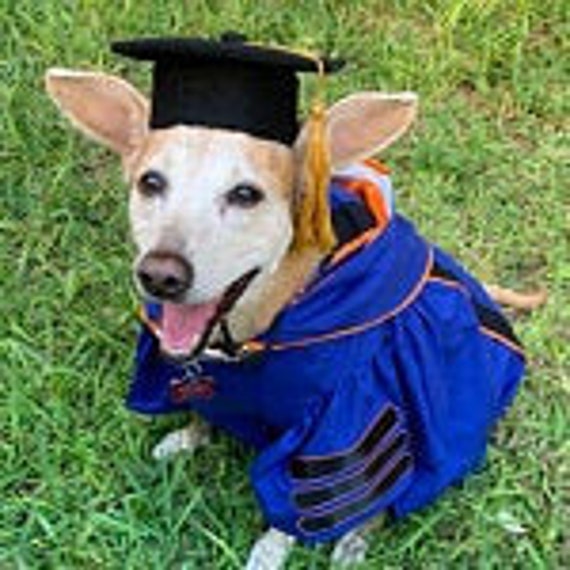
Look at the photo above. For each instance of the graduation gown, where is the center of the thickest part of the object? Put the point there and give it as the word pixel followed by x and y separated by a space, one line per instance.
pixel 374 389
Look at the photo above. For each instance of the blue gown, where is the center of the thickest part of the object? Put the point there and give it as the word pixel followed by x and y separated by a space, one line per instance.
pixel 374 390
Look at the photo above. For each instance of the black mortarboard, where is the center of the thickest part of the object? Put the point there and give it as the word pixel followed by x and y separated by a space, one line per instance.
pixel 227 83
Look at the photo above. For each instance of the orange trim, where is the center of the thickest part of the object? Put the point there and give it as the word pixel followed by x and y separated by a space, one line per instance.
pixel 355 244
pixel 501 339
pixel 368 192
pixel 252 347
pixel 371 196
pixel 349 331
pixel 448 283
pixel 378 166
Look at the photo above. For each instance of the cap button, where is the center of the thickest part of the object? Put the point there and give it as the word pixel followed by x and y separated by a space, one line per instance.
pixel 233 37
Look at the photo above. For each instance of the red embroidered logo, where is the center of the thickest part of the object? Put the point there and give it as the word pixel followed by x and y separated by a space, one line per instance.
pixel 202 388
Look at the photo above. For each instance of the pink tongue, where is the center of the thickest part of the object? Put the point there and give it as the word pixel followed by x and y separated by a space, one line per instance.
pixel 183 325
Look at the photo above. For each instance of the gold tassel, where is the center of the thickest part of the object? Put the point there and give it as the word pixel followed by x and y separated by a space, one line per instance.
pixel 313 225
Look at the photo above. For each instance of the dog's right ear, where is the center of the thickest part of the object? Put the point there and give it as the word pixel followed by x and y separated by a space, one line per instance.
pixel 104 107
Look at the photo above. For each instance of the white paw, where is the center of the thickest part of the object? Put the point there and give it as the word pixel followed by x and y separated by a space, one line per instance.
pixel 270 551
pixel 349 551
pixel 187 439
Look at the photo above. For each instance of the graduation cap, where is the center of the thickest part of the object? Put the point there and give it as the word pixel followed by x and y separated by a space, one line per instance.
pixel 233 84
pixel 227 83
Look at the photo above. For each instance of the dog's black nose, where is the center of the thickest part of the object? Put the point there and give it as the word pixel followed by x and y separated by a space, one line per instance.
pixel 165 275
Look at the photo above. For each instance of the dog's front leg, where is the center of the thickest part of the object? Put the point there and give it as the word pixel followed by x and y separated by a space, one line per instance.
pixel 270 551
pixel 187 439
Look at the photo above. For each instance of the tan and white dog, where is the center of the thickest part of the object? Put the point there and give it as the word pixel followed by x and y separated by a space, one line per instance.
pixel 209 205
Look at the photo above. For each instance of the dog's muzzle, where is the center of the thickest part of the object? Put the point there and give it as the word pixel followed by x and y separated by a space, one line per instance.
pixel 185 329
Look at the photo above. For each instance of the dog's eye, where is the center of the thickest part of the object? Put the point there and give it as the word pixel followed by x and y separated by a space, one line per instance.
pixel 244 196
pixel 152 183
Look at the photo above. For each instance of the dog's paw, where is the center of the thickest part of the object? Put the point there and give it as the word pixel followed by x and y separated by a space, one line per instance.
pixel 187 439
pixel 270 551
pixel 349 551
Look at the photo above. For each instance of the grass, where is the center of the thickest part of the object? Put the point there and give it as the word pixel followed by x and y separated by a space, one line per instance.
pixel 485 173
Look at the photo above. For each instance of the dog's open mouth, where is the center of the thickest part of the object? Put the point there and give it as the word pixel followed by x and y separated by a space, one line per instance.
pixel 185 329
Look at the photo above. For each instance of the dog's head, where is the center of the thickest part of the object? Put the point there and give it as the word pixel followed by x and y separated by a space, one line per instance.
pixel 212 209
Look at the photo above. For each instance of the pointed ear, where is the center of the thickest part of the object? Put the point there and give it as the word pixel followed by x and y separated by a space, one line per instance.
pixel 104 107
pixel 365 123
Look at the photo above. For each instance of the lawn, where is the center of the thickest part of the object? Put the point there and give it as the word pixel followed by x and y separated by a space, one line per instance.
pixel 485 173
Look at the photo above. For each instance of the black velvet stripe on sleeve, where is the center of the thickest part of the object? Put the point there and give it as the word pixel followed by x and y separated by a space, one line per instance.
pixel 316 497
pixel 315 467
pixel 324 522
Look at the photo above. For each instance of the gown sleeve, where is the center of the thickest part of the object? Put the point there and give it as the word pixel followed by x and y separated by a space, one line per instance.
pixel 344 463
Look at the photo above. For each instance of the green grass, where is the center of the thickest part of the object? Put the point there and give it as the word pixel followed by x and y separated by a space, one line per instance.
pixel 485 173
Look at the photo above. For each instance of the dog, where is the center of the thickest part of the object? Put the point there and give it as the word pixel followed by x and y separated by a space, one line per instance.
pixel 212 214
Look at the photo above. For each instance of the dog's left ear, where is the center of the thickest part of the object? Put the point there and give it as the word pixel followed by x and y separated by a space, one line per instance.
pixel 363 124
